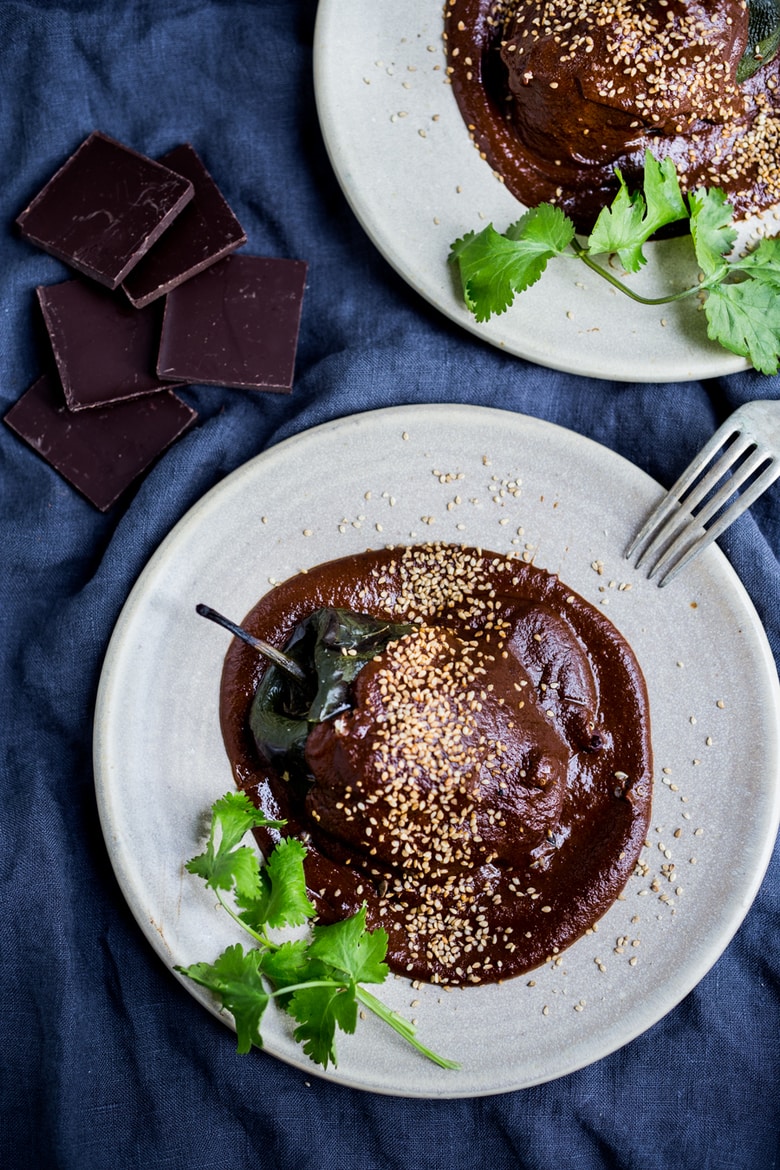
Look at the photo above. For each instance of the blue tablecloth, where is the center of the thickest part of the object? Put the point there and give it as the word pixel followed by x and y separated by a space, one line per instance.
pixel 105 1061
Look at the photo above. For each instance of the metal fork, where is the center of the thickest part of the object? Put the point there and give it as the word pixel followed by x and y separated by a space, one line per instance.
pixel 676 532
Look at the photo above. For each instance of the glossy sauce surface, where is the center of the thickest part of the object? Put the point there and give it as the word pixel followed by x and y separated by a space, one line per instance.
pixel 556 95
pixel 487 793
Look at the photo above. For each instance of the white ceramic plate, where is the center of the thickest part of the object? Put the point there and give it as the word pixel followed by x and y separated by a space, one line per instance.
pixel 387 477
pixel 403 157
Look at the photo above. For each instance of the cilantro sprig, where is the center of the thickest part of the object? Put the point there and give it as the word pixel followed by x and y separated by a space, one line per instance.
pixel 317 980
pixel 740 294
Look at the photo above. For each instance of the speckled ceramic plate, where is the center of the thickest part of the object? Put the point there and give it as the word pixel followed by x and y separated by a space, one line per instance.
pixel 490 478
pixel 406 164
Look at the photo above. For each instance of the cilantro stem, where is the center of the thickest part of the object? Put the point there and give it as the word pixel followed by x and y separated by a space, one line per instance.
pixel 288 989
pixel 260 938
pixel 401 1026
pixel 583 254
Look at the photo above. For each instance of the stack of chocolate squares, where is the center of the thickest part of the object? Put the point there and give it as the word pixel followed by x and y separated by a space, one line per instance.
pixel 162 299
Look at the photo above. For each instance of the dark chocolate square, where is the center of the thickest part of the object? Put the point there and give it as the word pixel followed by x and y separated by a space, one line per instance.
pixel 105 350
pixel 104 208
pixel 206 231
pixel 236 324
pixel 99 452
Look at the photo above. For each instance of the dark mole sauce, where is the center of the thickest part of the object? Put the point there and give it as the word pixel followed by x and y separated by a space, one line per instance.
pixel 488 793
pixel 556 95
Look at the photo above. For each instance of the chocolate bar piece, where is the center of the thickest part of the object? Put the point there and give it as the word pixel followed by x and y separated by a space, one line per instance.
pixel 105 350
pixel 104 208
pixel 205 231
pixel 236 324
pixel 99 452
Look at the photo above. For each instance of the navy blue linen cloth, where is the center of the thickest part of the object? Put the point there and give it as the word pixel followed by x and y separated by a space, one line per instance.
pixel 105 1060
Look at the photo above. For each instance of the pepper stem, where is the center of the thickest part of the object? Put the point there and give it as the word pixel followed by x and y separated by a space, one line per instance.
pixel 270 652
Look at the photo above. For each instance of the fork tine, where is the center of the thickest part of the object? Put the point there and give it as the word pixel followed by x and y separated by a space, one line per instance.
pixel 728 432
pixel 685 520
pixel 740 505
pixel 658 516
pixel 741 475
pixel 710 476
pixel 695 523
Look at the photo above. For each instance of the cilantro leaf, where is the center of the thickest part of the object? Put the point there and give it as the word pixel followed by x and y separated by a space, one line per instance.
pixel 238 868
pixel 234 815
pixel 351 949
pixel 319 1010
pixel 763 263
pixel 281 898
pixel 711 228
pixel 221 865
pixel 618 228
pixel 287 965
pixel 665 202
pixel 494 267
pixel 236 982
pixel 546 227
pixel 631 219
pixel 745 318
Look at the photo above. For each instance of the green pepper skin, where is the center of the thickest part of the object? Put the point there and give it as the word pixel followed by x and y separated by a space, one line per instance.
pixel 331 646
pixel 763 37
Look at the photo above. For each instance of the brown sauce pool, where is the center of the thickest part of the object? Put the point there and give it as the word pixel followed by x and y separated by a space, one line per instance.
pixel 556 95
pixel 488 792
